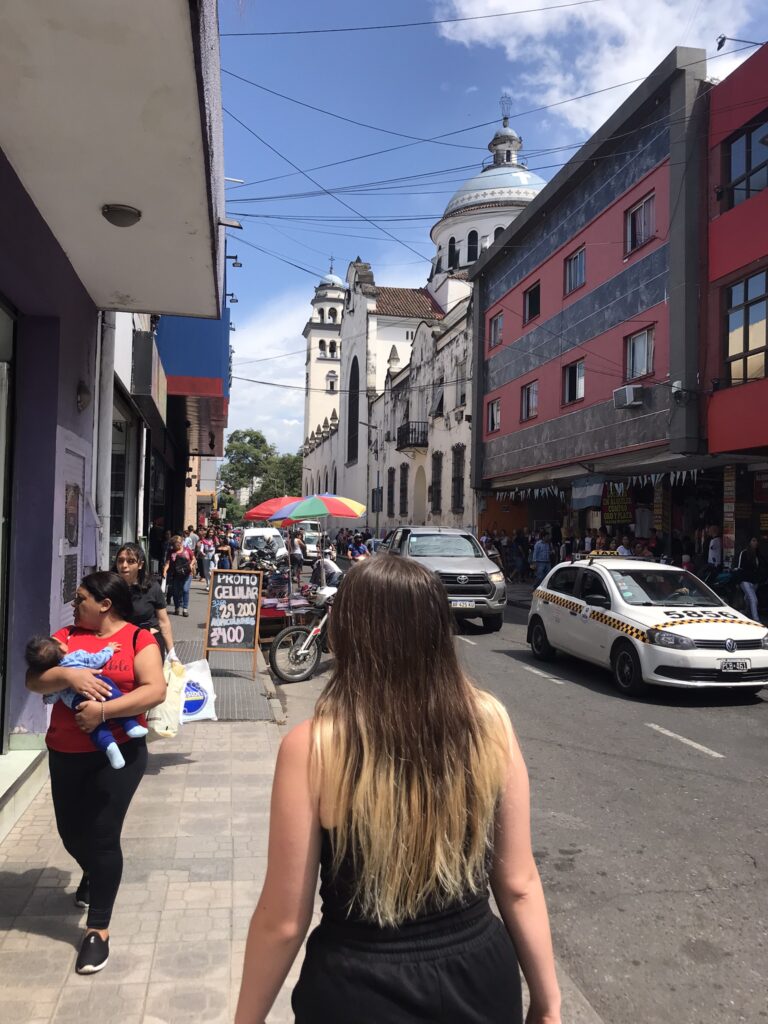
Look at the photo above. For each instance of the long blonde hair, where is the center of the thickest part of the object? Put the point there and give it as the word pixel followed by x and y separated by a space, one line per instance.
pixel 408 757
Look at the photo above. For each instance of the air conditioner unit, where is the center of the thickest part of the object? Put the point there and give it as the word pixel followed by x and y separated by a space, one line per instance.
pixel 631 395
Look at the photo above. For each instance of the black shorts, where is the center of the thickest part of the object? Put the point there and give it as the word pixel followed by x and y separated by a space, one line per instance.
pixel 461 972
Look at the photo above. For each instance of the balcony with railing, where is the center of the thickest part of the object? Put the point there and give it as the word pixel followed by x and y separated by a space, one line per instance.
pixel 412 434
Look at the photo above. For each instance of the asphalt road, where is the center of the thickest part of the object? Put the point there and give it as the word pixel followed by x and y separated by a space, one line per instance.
pixel 653 852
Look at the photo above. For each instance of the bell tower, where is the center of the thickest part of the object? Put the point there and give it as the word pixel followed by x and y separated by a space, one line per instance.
pixel 322 382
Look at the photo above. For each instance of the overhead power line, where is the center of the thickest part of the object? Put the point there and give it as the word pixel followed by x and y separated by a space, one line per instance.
pixel 317 184
pixel 409 24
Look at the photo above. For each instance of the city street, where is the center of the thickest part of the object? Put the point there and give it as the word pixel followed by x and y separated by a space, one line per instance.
pixel 653 852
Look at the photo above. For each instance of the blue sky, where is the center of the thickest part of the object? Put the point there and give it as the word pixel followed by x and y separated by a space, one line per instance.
pixel 421 82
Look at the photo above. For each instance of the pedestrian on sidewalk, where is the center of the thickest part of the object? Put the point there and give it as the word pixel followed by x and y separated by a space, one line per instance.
pixel 90 797
pixel 178 571
pixel 149 607
pixel 409 794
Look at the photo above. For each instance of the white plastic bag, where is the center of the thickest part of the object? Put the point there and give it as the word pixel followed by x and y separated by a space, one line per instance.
pixel 163 585
pixel 164 720
pixel 199 696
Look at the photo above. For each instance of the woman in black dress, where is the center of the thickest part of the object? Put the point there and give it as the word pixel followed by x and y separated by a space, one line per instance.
pixel 409 794
pixel 149 602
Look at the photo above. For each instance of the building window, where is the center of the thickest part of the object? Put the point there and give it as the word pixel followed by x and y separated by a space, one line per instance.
pixel 438 392
pixel 353 411
pixel 640 354
pixel 332 315
pixel 748 162
pixel 453 254
pixel 497 330
pixel 334 480
pixel 465 370
pixel 439 263
pixel 639 224
pixel 457 478
pixel 573 382
pixel 497 232
pixel 321 314
pixel 391 492
pixel 494 415
pixel 404 489
pixel 532 302
pixel 332 350
pixel 437 481
pixel 471 247
pixel 330 383
pixel 575 271
pixel 746 315
pixel 529 400
pixel 321 347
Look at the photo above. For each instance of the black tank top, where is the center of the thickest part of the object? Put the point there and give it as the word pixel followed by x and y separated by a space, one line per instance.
pixel 338 905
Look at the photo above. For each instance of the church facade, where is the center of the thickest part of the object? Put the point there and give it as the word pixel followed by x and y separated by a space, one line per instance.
pixel 393 429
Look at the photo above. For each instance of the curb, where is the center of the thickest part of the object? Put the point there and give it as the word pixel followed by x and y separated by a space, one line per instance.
pixel 278 714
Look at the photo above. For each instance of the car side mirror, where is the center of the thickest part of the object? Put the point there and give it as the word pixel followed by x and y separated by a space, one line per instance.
pixel 597 601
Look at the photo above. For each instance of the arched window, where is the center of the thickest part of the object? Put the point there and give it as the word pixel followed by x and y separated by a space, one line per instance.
pixel 321 346
pixel 321 314
pixel 332 349
pixel 497 232
pixel 471 247
pixel 439 263
pixel 353 411
pixel 334 481
pixel 332 315
pixel 330 382
pixel 508 156
pixel 325 485
pixel 453 254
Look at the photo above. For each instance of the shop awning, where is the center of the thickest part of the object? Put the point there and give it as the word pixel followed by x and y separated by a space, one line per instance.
pixel 119 103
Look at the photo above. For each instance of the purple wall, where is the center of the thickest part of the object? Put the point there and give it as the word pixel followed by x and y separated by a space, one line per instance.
pixel 55 348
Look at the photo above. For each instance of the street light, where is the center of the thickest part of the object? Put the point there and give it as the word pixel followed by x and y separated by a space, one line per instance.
pixel 722 40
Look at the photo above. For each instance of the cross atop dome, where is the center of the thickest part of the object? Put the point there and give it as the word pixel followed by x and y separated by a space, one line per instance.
pixel 506 143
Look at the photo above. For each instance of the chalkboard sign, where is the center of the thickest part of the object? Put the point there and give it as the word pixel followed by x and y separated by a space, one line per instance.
pixel 233 611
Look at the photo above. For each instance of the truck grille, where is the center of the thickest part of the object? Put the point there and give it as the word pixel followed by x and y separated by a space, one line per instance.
pixel 468 584
pixel 719 645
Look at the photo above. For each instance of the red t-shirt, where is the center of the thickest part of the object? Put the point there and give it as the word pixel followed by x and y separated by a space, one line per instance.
pixel 63 734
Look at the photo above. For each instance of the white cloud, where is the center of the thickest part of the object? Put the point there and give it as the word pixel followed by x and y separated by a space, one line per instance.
pixel 471 88
pixel 274 331
pixel 558 54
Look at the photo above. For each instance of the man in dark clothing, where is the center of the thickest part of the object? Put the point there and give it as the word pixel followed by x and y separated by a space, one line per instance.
pixel 752 567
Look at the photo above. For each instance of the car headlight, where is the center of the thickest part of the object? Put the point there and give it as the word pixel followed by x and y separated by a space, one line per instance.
pixel 764 642
pixel 496 577
pixel 663 638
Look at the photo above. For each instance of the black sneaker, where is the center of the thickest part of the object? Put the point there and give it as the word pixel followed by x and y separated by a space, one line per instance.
pixel 93 955
pixel 83 894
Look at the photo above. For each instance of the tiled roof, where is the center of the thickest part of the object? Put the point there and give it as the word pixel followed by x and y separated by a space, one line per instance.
pixel 415 302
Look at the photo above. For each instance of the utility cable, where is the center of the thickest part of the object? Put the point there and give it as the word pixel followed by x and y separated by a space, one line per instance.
pixel 408 24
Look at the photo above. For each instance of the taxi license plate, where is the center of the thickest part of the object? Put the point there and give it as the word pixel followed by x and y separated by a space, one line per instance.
pixel 734 666
pixel 462 604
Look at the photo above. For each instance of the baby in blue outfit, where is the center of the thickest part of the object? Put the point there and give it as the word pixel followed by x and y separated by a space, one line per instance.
pixel 44 652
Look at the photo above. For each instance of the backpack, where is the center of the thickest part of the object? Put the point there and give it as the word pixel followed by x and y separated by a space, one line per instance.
pixel 180 566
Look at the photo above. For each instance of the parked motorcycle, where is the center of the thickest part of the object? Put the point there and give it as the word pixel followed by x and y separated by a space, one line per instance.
pixel 295 652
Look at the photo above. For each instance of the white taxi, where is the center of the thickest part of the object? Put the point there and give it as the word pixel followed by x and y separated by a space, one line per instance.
pixel 647 623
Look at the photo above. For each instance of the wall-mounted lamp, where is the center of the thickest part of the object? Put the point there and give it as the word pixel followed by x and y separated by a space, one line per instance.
pixel 121 216
pixel 232 327
pixel 232 298
pixel 83 398
pixel 235 262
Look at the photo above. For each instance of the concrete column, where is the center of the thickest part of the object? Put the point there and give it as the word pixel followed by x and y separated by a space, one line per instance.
pixel 106 372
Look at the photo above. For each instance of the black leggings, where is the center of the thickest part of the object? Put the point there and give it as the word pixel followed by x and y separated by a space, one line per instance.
pixel 91 799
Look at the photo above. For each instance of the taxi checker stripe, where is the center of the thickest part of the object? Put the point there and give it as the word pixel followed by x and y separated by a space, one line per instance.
pixel 695 622
pixel 623 627
pixel 563 602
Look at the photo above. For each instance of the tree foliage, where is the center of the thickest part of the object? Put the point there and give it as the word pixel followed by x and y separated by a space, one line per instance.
pixel 254 463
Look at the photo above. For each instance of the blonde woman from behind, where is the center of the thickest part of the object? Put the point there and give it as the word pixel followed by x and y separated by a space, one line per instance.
pixel 408 793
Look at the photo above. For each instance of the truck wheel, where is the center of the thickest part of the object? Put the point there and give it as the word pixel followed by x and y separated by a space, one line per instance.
pixel 493 623
pixel 627 672
pixel 540 645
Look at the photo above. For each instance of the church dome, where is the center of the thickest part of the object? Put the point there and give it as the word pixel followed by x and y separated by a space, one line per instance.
pixel 332 279
pixel 498 183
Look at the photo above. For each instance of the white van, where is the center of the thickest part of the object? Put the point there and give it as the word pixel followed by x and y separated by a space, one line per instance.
pixel 255 538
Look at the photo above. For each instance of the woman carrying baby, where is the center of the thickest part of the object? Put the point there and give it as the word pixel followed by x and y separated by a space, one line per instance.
pixel 90 798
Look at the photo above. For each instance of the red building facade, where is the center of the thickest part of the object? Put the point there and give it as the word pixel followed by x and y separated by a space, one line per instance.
pixel 735 344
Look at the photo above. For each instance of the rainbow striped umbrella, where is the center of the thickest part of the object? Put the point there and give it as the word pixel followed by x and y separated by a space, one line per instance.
pixel 316 506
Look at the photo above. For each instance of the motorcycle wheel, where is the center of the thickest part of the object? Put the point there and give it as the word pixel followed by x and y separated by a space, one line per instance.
pixel 284 658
